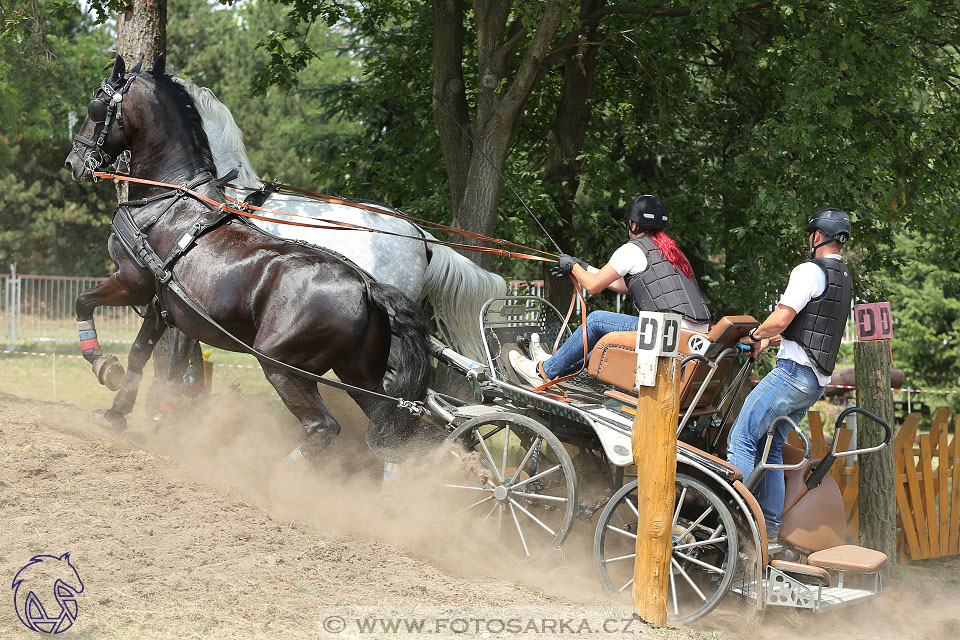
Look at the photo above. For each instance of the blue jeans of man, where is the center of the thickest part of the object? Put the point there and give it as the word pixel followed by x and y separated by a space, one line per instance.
pixel 789 390
pixel 569 357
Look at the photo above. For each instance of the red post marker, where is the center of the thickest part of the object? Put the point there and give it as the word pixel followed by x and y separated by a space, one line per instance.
pixel 874 322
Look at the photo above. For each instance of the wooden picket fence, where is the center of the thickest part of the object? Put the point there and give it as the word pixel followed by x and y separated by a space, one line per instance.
pixel 927 484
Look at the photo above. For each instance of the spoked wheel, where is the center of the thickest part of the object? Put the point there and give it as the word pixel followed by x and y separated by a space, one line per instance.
pixel 514 476
pixel 704 548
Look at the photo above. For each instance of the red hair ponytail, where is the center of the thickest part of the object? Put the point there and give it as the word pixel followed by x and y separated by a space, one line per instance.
pixel 668 247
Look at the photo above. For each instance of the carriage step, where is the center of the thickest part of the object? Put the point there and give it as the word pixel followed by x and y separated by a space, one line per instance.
pixel 849 557
pixel 803 571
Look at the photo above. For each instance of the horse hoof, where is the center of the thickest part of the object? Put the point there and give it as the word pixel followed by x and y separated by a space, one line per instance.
pixel 296 460
pixel 113 420
pixel 109 372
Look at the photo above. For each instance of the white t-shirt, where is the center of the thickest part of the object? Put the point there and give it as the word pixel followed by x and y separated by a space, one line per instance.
pixel 630 258
pixel 807 281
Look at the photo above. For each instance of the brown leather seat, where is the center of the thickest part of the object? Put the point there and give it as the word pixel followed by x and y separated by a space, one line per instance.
pixel 850 558
pixel 614 361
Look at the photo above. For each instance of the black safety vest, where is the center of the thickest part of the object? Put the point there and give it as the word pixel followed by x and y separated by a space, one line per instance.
pixel 661 287
pixel 818 327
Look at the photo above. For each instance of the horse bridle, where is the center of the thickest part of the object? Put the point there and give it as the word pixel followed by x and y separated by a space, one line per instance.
pixel 103 113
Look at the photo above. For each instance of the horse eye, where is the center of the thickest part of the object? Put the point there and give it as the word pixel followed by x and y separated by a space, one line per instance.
pixel 97 110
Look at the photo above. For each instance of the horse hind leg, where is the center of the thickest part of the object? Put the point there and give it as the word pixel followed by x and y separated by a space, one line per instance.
pixel 123 402
pixel 302 398
pixel 183 352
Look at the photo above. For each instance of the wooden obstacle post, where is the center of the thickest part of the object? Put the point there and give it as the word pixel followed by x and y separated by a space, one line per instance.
pixel 877 501
pixel 655 454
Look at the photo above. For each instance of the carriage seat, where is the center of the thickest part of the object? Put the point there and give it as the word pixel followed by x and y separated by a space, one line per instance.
pixel 614 361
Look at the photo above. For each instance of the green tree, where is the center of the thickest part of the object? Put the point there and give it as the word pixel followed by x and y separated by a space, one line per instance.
pixel 49 62
pixel 745 117
pixel 216 47
pixel 926 310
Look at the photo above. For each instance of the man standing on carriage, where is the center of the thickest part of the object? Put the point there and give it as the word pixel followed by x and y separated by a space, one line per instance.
pixel 808 324
pixel 649 267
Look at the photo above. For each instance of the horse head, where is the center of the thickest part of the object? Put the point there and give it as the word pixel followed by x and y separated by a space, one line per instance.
pixel 143 123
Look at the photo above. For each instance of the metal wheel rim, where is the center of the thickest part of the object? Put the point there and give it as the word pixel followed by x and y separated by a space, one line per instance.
pixel 687 561
pixel 533 512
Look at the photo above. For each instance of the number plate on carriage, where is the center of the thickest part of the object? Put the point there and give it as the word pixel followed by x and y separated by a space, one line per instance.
pixel 658 335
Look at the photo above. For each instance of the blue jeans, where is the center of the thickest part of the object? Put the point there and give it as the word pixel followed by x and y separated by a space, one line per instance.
pixel 789 390
pixel 569 357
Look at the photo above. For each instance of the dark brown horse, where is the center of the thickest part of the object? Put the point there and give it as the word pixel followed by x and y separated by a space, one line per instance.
pixel 295 305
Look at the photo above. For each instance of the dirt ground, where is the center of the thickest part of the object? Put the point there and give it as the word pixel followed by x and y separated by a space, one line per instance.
pixel 192 529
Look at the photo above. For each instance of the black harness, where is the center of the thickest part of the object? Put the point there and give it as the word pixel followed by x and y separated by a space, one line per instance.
pixel 104 114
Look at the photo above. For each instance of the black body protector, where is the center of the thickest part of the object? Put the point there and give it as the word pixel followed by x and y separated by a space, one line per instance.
pixel 661 287
pixel 818 328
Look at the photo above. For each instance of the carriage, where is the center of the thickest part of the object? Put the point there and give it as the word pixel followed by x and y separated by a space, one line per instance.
pixel 527 457
pixel 530 464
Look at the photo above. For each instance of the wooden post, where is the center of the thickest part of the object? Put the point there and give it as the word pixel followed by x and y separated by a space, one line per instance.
pixel 655 453
pixel 877 500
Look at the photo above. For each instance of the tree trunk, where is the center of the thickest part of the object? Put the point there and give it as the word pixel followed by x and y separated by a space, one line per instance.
pixel 877 480
pixel 142 31
pixel 473 168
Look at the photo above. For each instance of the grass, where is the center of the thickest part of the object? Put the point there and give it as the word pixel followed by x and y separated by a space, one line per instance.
pixel 69 379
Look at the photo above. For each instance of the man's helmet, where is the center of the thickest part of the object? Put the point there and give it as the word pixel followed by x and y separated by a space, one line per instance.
pixel 832 223
pixel 648 212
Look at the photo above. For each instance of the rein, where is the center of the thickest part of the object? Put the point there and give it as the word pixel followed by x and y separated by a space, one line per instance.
pixel 322 197
pixel 243 210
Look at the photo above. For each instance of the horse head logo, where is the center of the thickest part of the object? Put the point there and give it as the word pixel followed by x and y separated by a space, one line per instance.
pixel 45 593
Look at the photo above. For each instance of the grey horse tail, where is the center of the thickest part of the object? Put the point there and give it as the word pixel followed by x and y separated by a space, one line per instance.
pixel 407 366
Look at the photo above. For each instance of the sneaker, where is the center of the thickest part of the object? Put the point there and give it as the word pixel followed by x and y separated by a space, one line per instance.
pixel 774 546
pixel 527 369
pixel 537 353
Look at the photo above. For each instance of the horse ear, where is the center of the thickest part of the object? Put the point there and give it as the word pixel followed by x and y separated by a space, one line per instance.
pixel 119 68
pixel 136 68
pixel 159 65
pixel 66 556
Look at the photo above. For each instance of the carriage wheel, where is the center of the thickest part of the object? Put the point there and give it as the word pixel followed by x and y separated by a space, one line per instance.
pixel 704 548
pixel 514 476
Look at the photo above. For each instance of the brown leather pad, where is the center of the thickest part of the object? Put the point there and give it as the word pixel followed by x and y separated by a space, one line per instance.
pixel 849 557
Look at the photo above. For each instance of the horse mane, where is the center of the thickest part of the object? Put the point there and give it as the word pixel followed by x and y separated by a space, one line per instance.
pixel 223 134
pixel 193 122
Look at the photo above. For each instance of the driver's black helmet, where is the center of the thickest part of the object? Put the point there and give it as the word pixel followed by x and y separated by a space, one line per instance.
pixel 832 223
pixel 648 212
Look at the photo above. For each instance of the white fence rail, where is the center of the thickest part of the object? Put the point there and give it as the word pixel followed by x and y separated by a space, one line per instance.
pixel 36 309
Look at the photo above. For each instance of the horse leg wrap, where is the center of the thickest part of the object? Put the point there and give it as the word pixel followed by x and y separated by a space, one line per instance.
pixel 109 371
pixel 127 395
pixel 89 345
pixel 193 385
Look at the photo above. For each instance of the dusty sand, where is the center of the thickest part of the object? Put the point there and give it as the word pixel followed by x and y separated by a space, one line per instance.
pixel 191 529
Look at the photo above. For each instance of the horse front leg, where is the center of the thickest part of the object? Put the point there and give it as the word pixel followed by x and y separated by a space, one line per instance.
pixel 112 292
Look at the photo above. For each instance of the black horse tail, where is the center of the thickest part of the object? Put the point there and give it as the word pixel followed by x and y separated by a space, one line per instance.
pixel 407 367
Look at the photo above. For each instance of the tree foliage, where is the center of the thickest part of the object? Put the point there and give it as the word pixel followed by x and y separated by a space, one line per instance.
pixel 744 117
pixel 49 61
